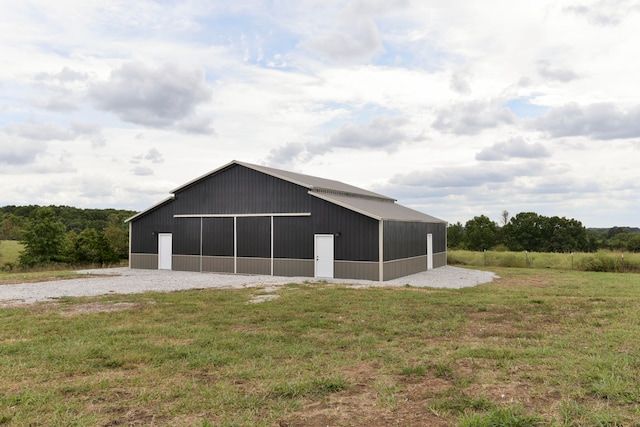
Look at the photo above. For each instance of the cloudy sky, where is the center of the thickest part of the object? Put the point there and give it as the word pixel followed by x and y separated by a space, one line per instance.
pixel 456 108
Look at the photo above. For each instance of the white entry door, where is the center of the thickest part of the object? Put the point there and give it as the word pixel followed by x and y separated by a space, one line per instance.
pixel 164 251
pixel 324 255
pixel 429 251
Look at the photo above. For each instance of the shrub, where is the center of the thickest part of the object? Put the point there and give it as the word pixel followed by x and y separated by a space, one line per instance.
pixel 599 261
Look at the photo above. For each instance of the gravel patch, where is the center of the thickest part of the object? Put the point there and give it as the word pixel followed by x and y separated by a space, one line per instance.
pixel 130 281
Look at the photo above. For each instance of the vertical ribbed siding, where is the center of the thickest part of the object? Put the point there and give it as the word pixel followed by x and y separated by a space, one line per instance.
pixel 409 239
pixel 145 230
pixel 239 190
pixel 217 236
pixel 186 236
pixel 254 237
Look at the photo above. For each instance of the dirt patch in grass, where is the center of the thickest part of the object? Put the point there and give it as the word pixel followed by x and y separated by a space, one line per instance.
pixel 17 278
pixel 374 399
pixel 99 307
pixel 90 307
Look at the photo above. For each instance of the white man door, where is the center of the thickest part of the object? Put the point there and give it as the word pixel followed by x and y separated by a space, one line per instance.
pixel 164 251
pixel 323 255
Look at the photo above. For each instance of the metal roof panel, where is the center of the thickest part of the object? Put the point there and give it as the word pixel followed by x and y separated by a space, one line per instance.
pixel 376 209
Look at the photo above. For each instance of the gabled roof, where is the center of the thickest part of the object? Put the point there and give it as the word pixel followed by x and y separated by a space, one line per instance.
pixel 368 203
pixel 313 183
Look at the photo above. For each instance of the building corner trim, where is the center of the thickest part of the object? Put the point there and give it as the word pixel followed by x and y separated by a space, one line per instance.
pixel 381 251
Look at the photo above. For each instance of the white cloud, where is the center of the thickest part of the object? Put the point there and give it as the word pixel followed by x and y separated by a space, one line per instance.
pixel 466 176
pixel 471 118
pixel 605 13
pixel 355 44
pixel 16 151
pixel 457 108
pixel 603 121
pixel 40 131
pixel 547 71
pixel 153 156
pixel 156 97
pixel 515 147
pixel 459 83
pixel 382 133
pixel 142 171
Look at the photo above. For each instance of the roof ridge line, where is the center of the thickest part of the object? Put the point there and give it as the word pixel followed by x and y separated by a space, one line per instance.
pixel 350 194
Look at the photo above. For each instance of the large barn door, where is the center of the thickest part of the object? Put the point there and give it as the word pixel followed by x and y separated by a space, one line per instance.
pixel 324 255
pixel 164 251
pixel 429 251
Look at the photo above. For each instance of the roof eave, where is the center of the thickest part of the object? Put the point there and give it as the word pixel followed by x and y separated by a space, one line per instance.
pixel 329 199
pixel 201 177
pixel 146 211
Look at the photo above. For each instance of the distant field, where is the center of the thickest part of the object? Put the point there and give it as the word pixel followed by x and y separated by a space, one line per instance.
pixel 536 347
pixel 604 261
pixel 9 251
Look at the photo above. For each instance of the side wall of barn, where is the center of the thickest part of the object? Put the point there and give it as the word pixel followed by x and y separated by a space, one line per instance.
pixel 405 247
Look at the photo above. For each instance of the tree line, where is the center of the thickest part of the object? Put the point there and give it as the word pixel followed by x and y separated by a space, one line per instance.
pixel 528 231
pixel 64 234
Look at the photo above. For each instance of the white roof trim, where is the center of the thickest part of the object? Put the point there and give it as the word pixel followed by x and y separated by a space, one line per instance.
pixel 328 198
pixel 160 203
pixel 249 215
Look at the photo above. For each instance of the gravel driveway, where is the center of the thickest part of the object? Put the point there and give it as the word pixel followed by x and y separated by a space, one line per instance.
pixel 129 281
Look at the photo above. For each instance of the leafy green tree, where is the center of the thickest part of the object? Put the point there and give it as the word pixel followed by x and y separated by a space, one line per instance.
pixel 455 236
pixel 565 235
pixel 633 244
pixel 524 232
pixel 43 239
pixel 117 235
pixel 538 233
pixel 480 233
pixel 90 246
pixel 10 226
pixel 614 231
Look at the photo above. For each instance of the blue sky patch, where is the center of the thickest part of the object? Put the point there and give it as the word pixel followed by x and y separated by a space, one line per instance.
pixel 521 107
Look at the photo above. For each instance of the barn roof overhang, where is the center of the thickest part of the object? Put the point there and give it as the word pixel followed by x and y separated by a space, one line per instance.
pixel 152 208
pixel 376 209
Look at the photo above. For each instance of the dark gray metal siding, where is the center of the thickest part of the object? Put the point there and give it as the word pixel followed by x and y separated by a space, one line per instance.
pixel 358 234
pixel 254 237
pixel 186 236
pixel 239 190
pixel 409 239
pixel 217 236
pixel 144 230
pixel 293 237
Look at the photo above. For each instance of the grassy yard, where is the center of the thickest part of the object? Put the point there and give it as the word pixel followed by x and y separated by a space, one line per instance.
pixel 9 251
pixel 537 347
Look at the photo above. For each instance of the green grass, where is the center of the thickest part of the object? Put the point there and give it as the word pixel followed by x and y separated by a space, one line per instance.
pixel 537 347
pixel 604 261
pixel 9 251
